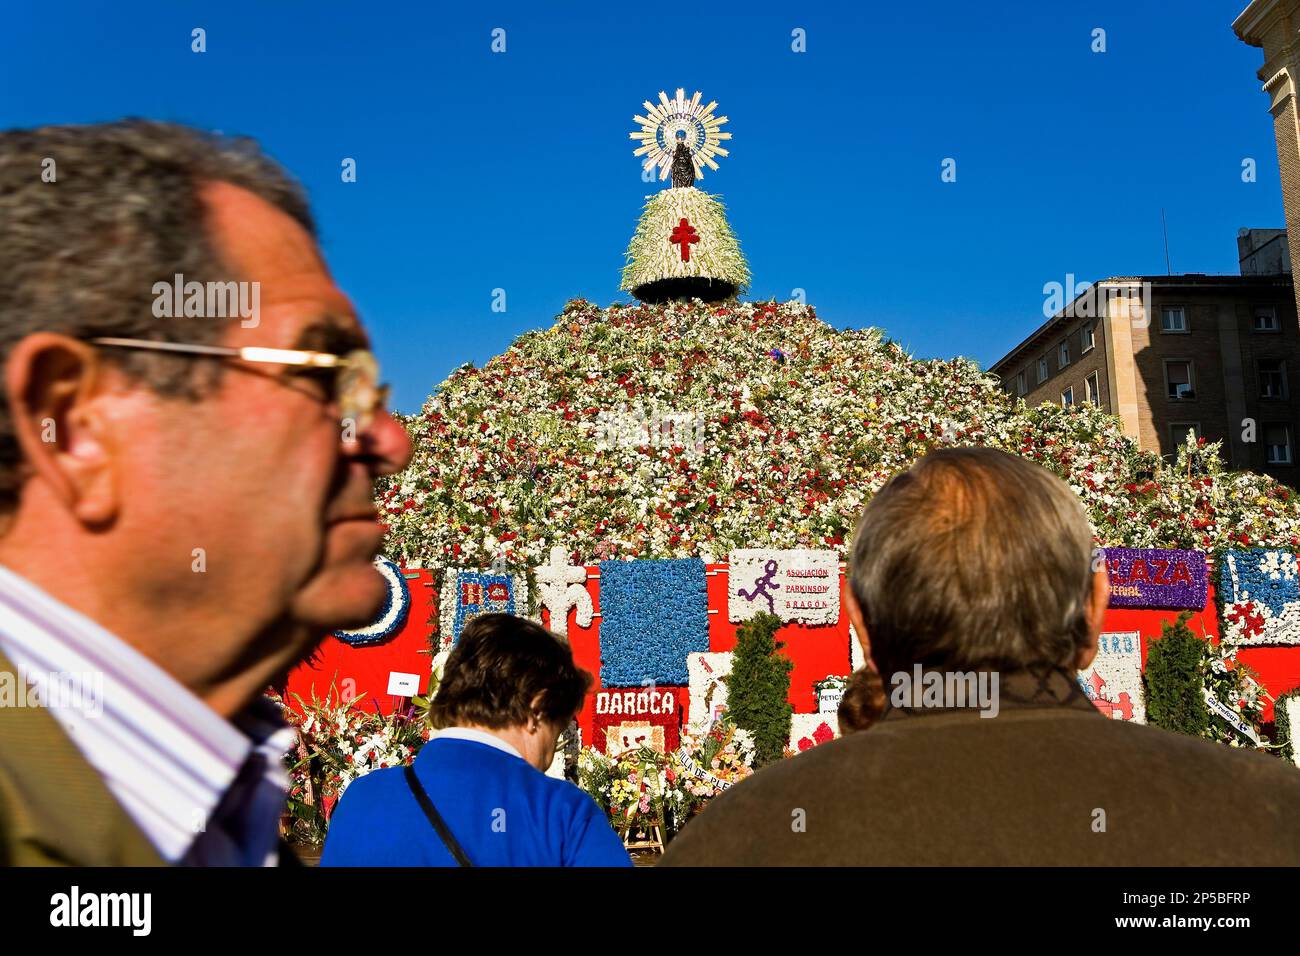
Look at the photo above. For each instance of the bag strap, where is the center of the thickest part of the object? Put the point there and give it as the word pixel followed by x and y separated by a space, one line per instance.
pixel 435 818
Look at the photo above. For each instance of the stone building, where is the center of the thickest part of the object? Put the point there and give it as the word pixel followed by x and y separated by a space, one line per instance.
pixel 1167 354
pixel 1274 25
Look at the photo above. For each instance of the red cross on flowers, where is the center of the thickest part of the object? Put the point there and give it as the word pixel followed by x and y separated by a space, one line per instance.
pixel 1123 706
pixel 683 236
pixel 1250 620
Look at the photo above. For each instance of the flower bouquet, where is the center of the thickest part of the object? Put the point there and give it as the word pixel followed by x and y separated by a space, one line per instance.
pixel 337 743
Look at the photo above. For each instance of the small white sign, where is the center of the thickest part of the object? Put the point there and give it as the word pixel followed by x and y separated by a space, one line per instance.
pixel 403 685
pixel 828 700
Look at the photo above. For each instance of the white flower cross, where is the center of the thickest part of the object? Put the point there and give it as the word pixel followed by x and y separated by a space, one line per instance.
pixel 561 586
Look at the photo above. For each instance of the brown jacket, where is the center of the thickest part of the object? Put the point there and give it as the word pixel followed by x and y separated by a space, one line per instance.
pixel 1049 781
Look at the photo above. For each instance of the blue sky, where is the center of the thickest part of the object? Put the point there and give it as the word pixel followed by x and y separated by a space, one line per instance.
pixel 479 171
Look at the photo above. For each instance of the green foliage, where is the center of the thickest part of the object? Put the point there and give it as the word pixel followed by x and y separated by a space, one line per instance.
pixel 758 687
pixel 1174 681
pixel 1283 731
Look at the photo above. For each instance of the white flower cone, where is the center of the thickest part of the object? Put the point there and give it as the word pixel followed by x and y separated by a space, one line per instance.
pixel 664 263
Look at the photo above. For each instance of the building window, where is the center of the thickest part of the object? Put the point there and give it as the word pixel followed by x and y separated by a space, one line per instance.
pixel 1021 388
pixel 1178 432
pixel 1067 397
pixel 1272 378
pixel 1042 371
pixel 1277 444
pixel 1063 354
pixel 1179 385
pixel 1089 336
pixel 1266 319
pixel 1092 388
pixel 1173 319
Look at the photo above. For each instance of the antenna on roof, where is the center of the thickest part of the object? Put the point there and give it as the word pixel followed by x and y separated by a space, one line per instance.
pixel 1165 226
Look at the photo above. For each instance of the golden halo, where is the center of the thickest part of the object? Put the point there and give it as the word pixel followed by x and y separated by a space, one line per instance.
pixel 663 121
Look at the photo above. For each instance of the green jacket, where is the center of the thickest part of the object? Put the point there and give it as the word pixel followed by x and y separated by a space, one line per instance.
pixel 55 810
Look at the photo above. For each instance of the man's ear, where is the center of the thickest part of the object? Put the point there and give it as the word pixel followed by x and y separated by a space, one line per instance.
pixel 859 625
pixel 1098 599
pixel 534 712
pixel 51 387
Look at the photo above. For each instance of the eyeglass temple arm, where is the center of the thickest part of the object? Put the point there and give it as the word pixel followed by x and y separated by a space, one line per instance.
pixel 247 353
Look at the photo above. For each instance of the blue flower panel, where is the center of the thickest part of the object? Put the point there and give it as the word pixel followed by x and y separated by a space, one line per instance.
pixel 652 614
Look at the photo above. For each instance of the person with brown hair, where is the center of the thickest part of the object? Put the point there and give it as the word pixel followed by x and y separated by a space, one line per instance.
pixel 477 793
pixel 973 589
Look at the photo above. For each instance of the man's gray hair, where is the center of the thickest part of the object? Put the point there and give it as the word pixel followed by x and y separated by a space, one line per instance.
pixel 973 559
pixel 91 217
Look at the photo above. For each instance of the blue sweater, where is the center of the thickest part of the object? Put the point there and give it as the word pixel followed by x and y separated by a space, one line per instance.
pixel 502 811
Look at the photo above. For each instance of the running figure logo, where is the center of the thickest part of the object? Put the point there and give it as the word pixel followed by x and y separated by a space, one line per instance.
pixel 762 586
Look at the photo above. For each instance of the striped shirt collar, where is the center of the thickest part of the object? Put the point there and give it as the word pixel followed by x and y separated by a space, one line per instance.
pixel 167 757
pixel 478 737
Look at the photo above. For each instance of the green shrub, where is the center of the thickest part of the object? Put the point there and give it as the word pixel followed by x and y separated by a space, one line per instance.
pixel 758 687
pixel 1284 733
pixel 1174 683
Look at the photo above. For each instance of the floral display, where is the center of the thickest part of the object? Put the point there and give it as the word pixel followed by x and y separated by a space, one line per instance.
pixel 635 788
pixel 1238 694
pixel 653 613
pixel 1113 682
pixel 504 462
pixel 715 760
pixel 1261 597
pixel 796 585
pixel 467 594
pixel 337 743
pixel 1286 713
pixel 809 730
pixel 393 614
pixel 632 719
pixel 1182 666
pixel 623 735
pixel 641 787
pixel 560 587
pixel 1157 578
pixel 708 691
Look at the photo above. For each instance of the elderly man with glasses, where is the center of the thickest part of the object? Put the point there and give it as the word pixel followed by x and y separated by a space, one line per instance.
pixel 185 502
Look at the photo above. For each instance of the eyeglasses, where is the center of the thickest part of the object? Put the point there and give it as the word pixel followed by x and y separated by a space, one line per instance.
pixel 354 387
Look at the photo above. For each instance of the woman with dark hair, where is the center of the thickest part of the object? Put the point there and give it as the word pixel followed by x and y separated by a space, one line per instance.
pixel 477 793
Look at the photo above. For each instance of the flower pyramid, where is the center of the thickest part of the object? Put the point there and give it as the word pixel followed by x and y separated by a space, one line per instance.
pixel 688 429
pixel 692 425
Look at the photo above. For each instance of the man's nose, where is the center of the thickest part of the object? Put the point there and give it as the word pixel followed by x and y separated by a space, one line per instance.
pixel 384 444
